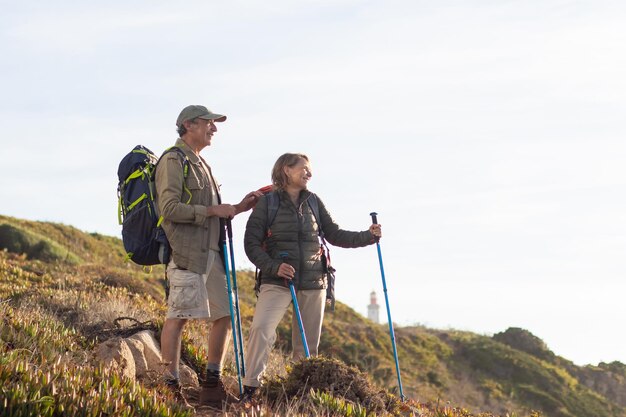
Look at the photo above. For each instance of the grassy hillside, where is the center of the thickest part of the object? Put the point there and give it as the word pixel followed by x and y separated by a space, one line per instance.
pixel 62 291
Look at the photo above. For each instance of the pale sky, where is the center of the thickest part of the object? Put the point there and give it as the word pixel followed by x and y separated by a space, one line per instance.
pixel 488 135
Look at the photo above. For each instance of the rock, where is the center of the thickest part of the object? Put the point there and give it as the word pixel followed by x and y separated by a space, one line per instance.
pixel 139 356
pixel 137 349
pixel 151 356
pixel 150 351
pixel 188 376
pixel 606 380
pixel 115 353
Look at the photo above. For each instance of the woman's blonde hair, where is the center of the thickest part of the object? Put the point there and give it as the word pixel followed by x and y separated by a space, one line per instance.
pixel 279 178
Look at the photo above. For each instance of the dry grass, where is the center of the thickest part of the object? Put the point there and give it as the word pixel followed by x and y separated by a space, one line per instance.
pixel 53 312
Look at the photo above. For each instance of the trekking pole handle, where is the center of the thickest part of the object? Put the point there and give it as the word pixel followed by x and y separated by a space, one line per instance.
pixel 375 221
pixel 283 257
pixel 229 229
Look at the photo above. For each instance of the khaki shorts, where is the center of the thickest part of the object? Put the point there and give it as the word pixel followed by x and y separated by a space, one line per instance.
pixel 198 296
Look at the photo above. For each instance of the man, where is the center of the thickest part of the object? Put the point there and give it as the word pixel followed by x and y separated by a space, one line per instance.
pixel 192 213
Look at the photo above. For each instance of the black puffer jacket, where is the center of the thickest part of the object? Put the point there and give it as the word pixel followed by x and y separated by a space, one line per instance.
pixel 294 233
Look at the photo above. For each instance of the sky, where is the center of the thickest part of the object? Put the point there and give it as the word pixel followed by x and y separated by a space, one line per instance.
pixel 488 135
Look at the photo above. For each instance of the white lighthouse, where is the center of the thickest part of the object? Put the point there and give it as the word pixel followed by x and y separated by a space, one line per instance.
pixel 373 308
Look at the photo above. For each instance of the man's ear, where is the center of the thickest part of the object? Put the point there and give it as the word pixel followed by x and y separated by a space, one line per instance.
pixel 188 124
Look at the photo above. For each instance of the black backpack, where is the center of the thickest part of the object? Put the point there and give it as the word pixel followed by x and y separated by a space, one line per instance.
pixel 144 239
pixel 273 201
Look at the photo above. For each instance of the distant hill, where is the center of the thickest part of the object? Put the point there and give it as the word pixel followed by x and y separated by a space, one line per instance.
pixel 62 291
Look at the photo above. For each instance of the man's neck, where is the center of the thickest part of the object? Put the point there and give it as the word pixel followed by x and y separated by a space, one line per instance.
pixel 194 147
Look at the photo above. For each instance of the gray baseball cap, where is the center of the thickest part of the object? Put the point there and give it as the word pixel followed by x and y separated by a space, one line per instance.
pixel 196 111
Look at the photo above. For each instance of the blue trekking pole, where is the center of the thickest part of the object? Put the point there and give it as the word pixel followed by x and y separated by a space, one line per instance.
pixel 229 229
pixel 296 310
pixel 391 333
pixel 232 318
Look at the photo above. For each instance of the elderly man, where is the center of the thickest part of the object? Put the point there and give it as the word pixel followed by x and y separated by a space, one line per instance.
pixel 188 199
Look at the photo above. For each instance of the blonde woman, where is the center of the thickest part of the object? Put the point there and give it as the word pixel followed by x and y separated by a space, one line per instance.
pixel 286 250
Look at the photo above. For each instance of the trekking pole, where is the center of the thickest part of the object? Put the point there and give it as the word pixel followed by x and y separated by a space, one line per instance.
pixel 391 333
pixel 296 310
pixel 229 228
pixel 232 318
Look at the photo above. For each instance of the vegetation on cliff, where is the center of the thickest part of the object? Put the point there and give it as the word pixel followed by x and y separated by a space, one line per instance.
pixel 63 291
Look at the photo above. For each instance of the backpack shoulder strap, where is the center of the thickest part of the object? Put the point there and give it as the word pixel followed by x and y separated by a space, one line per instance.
pixel 312 200
pixel 328 268
pixel 273 201
pixel 182 154
pixel 186 163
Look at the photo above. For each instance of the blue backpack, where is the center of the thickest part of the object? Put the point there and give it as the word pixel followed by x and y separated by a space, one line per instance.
pixel 144 239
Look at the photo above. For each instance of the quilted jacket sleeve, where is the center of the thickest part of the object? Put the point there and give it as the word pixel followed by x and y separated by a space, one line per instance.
pixel 339 237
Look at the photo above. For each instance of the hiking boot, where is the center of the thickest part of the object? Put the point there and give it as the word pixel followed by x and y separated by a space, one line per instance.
pixel 215 396
pixel 247 398
pixel 177 392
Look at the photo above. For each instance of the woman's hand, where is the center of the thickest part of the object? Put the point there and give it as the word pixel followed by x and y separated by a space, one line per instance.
pixel 376 230
pixel 286 271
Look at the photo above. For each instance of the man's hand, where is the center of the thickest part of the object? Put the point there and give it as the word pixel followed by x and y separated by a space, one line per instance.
pixel 248 201
pixel 225 211
pixel 228 211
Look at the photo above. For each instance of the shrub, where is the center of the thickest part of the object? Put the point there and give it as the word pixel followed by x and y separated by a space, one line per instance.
pixel 19 241
pixel 326 375
pixel 526 342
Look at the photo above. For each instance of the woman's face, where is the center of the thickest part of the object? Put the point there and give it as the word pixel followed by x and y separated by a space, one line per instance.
pixel 299 174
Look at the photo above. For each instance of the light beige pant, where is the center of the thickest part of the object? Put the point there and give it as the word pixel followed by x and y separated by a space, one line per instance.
pixel 270 308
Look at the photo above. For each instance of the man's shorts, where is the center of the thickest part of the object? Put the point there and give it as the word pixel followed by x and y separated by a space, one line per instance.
pixel 198 296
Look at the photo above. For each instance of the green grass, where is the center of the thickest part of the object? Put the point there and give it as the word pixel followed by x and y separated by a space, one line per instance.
pixel 536 383
pixel 62 291
pixel 33 245
pixel 68 389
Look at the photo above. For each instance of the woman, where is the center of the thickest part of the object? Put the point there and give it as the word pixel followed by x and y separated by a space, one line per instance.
pixel 289 249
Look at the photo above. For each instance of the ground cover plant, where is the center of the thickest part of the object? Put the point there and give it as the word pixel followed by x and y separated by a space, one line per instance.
pixel 63 292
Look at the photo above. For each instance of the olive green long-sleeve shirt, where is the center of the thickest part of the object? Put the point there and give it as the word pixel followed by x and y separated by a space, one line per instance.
pixel 189 230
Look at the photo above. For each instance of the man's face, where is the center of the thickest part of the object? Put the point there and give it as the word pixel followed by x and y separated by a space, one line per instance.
pixel 200 132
